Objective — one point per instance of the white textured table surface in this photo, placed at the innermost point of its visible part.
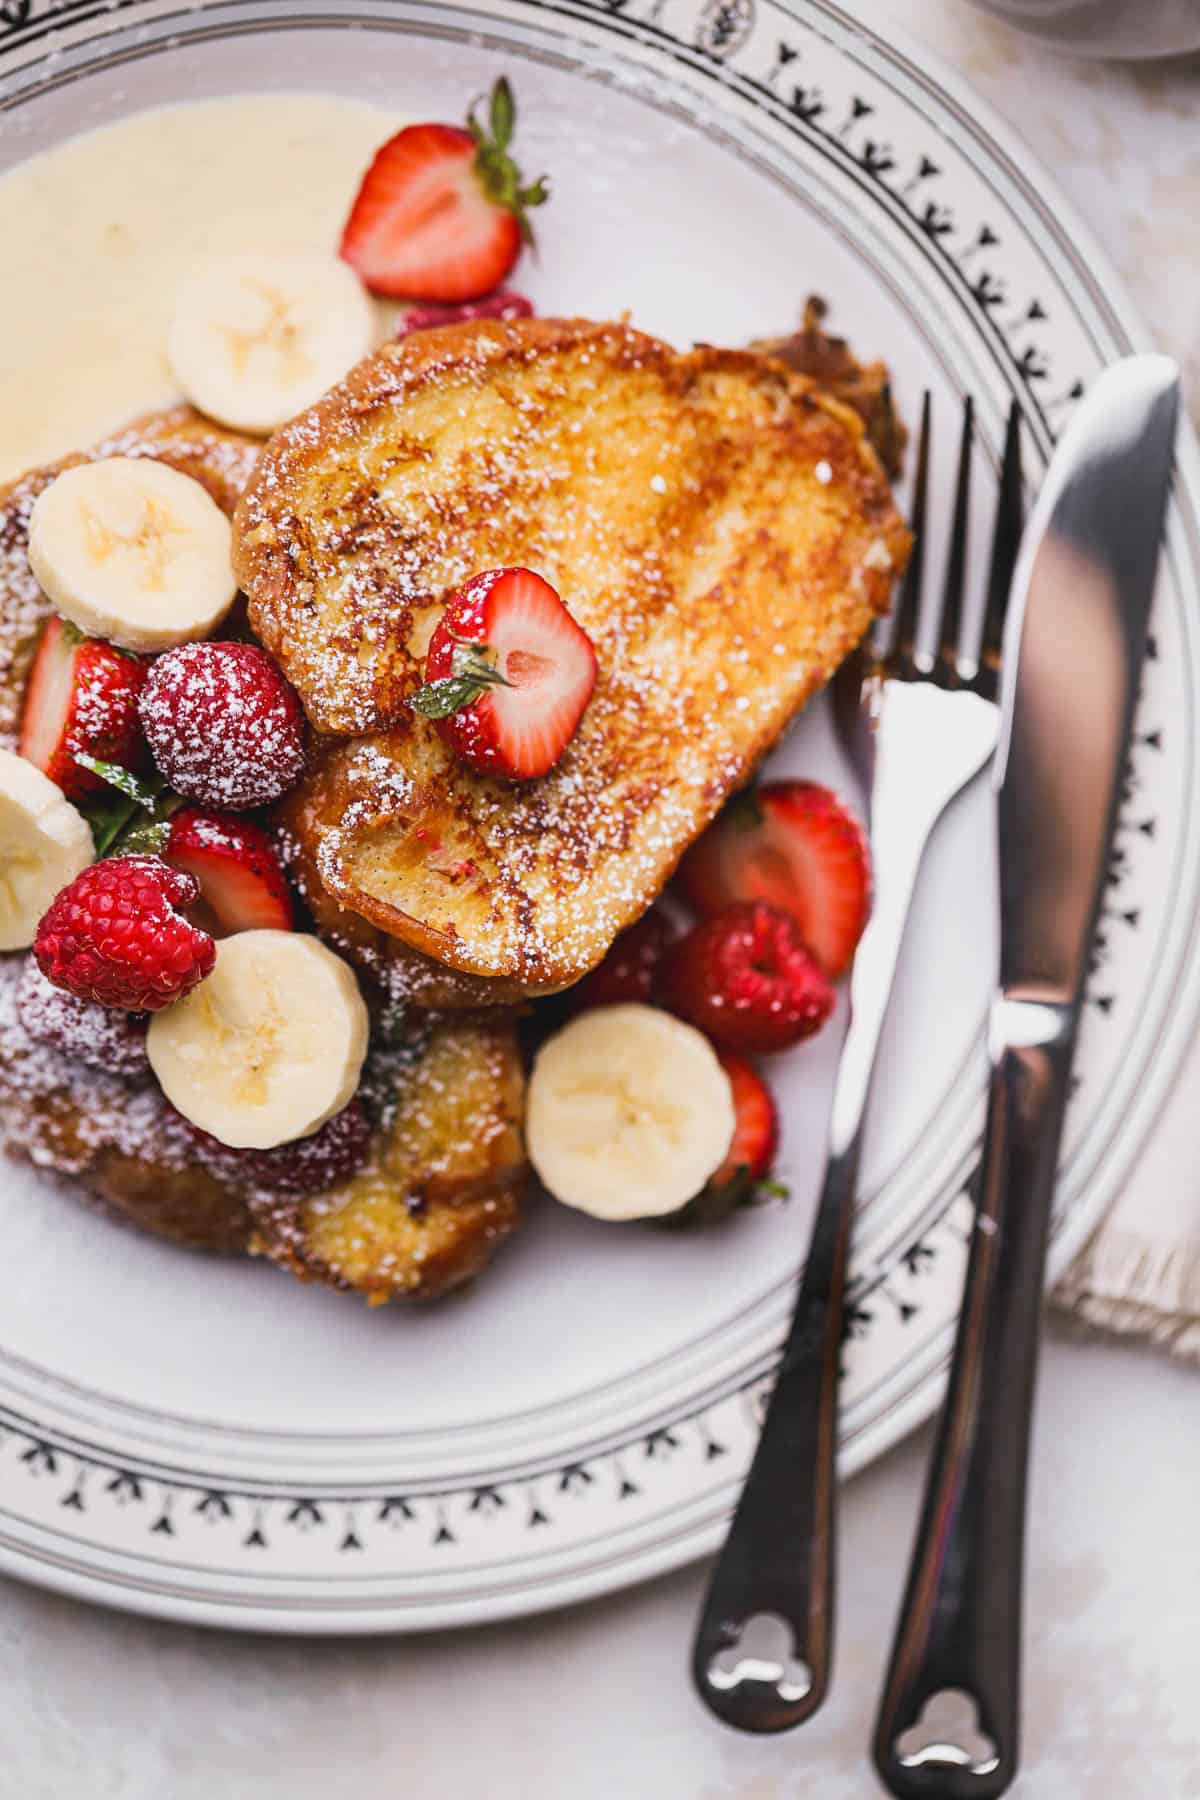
(594, 1704)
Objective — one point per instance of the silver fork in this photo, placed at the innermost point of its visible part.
(934, 724)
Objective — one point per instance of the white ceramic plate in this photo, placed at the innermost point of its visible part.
(214, 1443)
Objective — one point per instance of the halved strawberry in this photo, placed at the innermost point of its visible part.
(508, 674)
(82, 698)
(793, 844)
(755, 1126)
(242, 883)
(743, 1178)
(442, 212)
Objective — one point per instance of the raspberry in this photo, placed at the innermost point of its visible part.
(630, 971)
(503, 304)
(308, 1165)
(91, 1034)
(748, 980)
(224, 725)
(115, 936)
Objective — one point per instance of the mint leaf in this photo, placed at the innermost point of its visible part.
(131, 819)
(149, 839)
(143, 793)
(108, 816)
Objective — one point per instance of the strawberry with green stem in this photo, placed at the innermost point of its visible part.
(443, 210)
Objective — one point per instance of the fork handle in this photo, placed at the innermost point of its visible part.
(960, 1624)
(779, 1555)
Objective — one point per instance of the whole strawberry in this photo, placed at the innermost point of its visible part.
(508, 674)
(117, 935)
(82, 698)
(225, 726)
(442, 211)
(748, 981)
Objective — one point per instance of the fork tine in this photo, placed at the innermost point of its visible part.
(1006, 541)
(908, 606)
(956, 561)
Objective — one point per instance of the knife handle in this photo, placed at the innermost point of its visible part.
(959, 1632)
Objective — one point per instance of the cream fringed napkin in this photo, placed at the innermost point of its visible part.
(1140, 1275)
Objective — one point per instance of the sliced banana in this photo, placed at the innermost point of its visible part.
(133, 551)
(269, 1046)
(256, 338)
(44, 843)
(629, 1113)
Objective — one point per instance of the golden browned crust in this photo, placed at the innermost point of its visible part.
(402, 974)
(721, 529)
(442, 1189)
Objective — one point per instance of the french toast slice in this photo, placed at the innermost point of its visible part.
(719, 526)
(440, 1192)
(442, 1188)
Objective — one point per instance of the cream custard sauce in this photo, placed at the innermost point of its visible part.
(99, 232)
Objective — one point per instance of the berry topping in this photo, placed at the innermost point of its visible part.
(307, 1165)
(747, 979)
(630, 970)
(755, 1130)
(793, 844)
(741, 1180)
(82, 698)
(503, 304)
(242, 883)
(117, 935)
(508, 674)
(442, 211)
(92, 1034)
(225, 727)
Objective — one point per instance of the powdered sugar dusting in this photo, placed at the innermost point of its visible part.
(224, 725)
(60, 1115)
(99, 1036)
(679, 505)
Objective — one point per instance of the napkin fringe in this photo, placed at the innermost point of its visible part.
(1126, 1284)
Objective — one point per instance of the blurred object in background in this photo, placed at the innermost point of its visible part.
(1116, 28)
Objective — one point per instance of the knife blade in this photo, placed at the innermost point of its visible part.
(948, 1723)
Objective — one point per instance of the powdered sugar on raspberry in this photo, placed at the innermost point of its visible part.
(96, 1035)
(59, 1114)
(224, 725)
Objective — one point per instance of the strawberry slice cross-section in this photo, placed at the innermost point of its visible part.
(508, 674)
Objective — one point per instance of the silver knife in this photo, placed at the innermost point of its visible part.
(1073, 656)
